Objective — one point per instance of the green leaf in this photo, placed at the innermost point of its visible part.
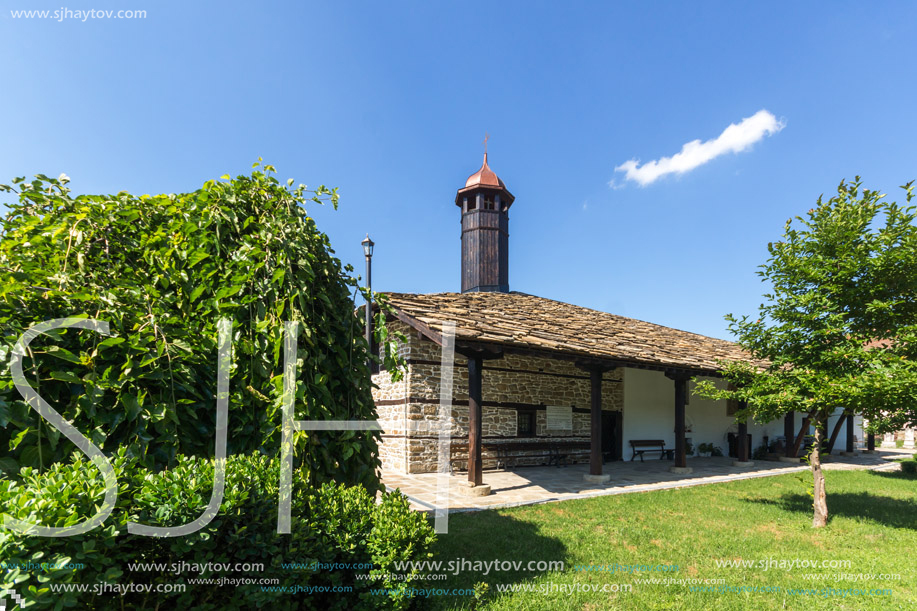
(62, 353)
(131, 404)
(196, 293)
(228, 291)
(66, 376)
(111, 342)
(197, 256)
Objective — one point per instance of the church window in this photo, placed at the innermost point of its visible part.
(525, 423)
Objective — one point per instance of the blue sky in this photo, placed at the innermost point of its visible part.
(390, 102)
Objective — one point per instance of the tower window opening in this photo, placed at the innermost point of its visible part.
(471, 204)
(488, 202)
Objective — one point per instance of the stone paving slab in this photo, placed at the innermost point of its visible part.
(532, 485)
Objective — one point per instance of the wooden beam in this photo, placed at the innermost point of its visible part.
(422, 327)
(592, 365)
(552, 374)
(475, 477)
(595, 449)
(479, 351)
(834, 433)
(803, 429)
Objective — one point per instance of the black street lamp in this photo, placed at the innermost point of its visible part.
(368, 253)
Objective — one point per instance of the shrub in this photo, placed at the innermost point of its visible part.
(709, 449)
(330, 524)
(909, 466)
(161, 271)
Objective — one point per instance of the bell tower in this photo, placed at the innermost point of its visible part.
(484, 202)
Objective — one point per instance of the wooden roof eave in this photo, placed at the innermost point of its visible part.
(419, 326)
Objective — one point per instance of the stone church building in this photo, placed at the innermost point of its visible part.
(537, 381)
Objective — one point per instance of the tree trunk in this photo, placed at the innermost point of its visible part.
(818, 477)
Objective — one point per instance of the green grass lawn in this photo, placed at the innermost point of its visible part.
(873, 525)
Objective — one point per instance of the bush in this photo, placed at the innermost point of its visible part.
(330, 524)
(709, 449)
(162, 271)
(909, 466)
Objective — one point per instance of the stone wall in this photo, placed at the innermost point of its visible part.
(391, 410)
(409, 409)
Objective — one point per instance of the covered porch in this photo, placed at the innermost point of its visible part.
(533, 485)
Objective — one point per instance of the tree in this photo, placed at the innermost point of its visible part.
(839, 325)
(162, 271)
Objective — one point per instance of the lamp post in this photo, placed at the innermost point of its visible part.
(368, 253)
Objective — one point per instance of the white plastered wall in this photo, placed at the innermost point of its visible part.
(649, 413)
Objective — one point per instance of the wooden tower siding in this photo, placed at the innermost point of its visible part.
(485, 202)
(485, 250)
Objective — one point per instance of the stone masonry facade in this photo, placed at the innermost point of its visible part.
(409, 409)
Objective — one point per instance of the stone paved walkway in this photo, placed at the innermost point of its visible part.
(531, 485)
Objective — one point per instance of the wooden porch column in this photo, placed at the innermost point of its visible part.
(789, 434)
(743, 452)
(596, 370)
(681, 460)
(595, 424)
(681, 394)
(476, 356)
(475, 366)
(850, 447)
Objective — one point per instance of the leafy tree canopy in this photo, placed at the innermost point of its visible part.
(837, 328)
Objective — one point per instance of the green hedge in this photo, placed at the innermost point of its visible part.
(909, 466)
(330, 524)
(161, 271)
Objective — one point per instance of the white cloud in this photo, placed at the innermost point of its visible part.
(736, 138)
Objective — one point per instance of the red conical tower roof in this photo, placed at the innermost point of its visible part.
(485, 177)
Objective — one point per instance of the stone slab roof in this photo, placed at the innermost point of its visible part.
(523, 321)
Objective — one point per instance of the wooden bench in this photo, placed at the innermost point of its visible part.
(555, 452)
(642, 446)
